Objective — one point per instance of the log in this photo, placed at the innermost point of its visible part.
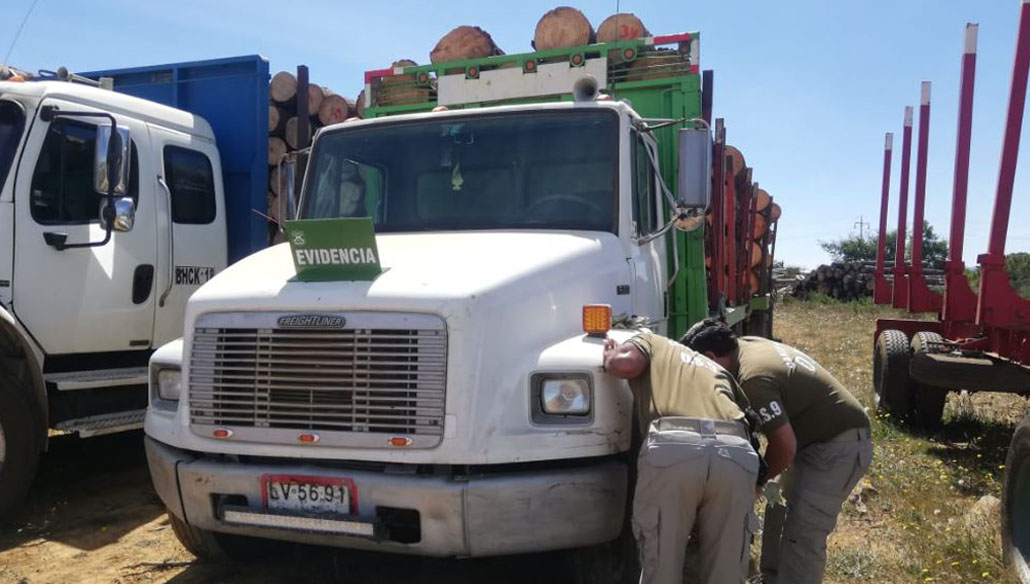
(621, 26)
(273, 180)
(561, 28)
(756, 255)
(759, 226)
(276, 150)
(775, 212)
(276, 120)
(396, 79)
(315, 97)
(283, 87)
(464, 42)
(335, 109)
(290, 134)
(738, 159)
(359, 104)
(762, 199)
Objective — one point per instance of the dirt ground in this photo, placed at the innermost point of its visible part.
(921, 516)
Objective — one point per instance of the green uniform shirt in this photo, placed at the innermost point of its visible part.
(785, 385)
(681, 382)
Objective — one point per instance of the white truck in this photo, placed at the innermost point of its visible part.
(454, 405)
(95, 272)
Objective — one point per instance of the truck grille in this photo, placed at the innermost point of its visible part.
(367, 380)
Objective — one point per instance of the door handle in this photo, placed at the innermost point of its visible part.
(171, 242)
(142, 283)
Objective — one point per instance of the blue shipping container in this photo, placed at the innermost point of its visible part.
(232, 95)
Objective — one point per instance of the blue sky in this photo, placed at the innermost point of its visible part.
(808, 88)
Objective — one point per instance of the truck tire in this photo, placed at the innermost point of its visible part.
(890, 374)
(927, 401)
(19, 444)
(614, 562)
(217, 547)
(1015, 504)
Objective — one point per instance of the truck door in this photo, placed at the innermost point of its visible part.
(647, 260)
(191, 213)
(89, 299)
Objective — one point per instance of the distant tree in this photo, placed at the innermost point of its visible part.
(855, 248)
(1018, 266)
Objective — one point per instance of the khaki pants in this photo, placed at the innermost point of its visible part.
(694, 471)
(816, 486)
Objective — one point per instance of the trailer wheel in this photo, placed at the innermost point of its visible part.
(217, 547)
(19, 444)
(927, 400)
(890, 374)
(1015, 504)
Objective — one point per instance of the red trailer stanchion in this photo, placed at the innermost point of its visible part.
(900, 299)
(959, 308)
(882, 293)
(920, 297)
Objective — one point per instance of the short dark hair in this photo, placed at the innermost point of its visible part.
(711, 336)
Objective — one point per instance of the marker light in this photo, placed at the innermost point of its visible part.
(597, 318)
(222, 433)
(400, 441)
(308, 438)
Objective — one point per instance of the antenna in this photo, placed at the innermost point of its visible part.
(18, 34)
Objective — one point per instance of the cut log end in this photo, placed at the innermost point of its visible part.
(621, 26)
(464, 42)
(335, 109)
(561, 28)
(283, 87)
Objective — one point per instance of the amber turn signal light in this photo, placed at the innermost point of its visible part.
(597, 318)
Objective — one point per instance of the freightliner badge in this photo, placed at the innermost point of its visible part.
(333, 249)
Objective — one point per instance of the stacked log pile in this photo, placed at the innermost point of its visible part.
(847, 281)
(324, 106)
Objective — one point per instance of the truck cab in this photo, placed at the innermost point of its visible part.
(453, 405)
(113, 211)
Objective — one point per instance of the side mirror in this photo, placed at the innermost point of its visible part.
(111, 160)
(124, 216)
(695, 169)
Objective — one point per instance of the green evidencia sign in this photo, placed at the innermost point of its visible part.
(333, 249)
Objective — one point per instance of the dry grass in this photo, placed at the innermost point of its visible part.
(917, 519)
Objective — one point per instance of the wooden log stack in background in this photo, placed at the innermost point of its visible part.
(324, 107)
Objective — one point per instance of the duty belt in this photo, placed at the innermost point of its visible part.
(703, 426)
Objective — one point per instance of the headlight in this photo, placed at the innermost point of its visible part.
(565, 397)
(169, 384)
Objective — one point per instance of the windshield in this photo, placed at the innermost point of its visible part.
(11, 122)
(554, 170)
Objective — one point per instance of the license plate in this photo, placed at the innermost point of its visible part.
(309, 495)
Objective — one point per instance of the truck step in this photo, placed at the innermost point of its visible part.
(104, 423)
(73, 380)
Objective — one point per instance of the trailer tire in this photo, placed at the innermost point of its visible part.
(19, 444)
(614, 562)
(927, 401)
(1015, 504)
(890, 374)
(217, 547)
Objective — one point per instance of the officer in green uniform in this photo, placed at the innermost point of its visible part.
(817, 432)
(696, 466)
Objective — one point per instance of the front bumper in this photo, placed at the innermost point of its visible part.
(517, 511)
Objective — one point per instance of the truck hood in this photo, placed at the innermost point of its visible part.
(424, 272)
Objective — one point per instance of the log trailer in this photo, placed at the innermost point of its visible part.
(454, 405)
(980, 340)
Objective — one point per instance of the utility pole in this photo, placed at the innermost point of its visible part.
(861, 226)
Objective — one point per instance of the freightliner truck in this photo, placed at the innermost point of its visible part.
(95, 273)
(454, 404)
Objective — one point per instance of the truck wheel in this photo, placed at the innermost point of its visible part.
(927, 400)
(19, 444)
(890, 373)
(217, 547)
(1015, 504)
(614, 562)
